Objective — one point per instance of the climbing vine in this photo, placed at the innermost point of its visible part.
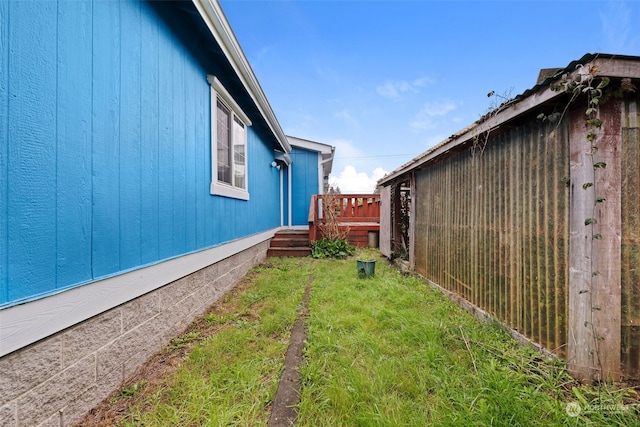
(597, 91)
(480, 139)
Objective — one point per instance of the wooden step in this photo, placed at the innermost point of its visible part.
(279, 242)
(293, 243)
(292, 252)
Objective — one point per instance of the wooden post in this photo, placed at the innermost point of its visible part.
(594, 264)
(412, 220)
(384, 240)
(313, 217)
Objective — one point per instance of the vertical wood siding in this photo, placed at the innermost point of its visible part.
(105, 153)
(630, 349)
(492, 226)
(304, 184)
(4, 151)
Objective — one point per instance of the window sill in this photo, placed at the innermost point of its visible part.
(218, 189)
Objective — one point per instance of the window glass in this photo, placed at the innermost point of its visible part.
(223, 139)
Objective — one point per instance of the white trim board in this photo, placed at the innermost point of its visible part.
(28, 323)
(213, 16)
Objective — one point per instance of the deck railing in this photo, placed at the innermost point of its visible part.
(356, 215)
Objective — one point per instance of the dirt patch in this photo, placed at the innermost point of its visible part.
(283, 412)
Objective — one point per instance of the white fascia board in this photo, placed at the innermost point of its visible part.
(212, 14)
(310, 145)
(24, 324)
(325, 150)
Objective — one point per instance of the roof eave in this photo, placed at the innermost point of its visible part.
(608, 65)
(212, 14)
(326, 151)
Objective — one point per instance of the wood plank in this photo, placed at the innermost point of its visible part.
(106, 139)
(593, 334)
(73, 156)
(608, 292)
(131, 110)
(4, 151)
(149, 154)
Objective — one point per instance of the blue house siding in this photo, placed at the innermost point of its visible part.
(4, 148)
(105, 164)
(105, 176)
(304, 184)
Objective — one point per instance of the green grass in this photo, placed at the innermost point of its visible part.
(230, 378)
(381, 351)
(391, 351)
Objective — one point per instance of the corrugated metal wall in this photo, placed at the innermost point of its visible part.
(492, 226)
(630, 351)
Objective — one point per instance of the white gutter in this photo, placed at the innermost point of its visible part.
(289, 193)
(280, 172)
(212, 14)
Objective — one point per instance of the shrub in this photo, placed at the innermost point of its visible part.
(331, 248)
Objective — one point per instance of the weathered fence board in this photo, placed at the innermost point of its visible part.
(630, 252)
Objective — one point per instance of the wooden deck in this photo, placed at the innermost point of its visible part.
(356, 215)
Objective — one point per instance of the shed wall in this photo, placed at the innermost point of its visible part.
(491, 224)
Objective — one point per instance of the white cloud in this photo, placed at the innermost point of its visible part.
(350, 181)
(424, 118)
(395, 89)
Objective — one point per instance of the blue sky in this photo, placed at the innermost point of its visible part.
(383, 81)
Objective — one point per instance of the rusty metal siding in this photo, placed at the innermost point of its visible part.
(492, 226)
(630, 274)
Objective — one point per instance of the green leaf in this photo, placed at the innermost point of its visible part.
(603, 83)
(579, 396)
(587, 185)
(600, 199)
(597, 236)
(590, 221)
(601, 165)
(596, 123)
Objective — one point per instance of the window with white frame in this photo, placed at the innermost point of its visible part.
(228, 144)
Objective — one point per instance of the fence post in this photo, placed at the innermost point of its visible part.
(594, 311)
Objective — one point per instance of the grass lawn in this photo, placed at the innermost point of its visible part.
(382, 351)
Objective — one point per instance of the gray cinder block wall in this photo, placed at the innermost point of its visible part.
(55, 381)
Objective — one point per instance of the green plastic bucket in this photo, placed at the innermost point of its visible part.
(366, 268)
